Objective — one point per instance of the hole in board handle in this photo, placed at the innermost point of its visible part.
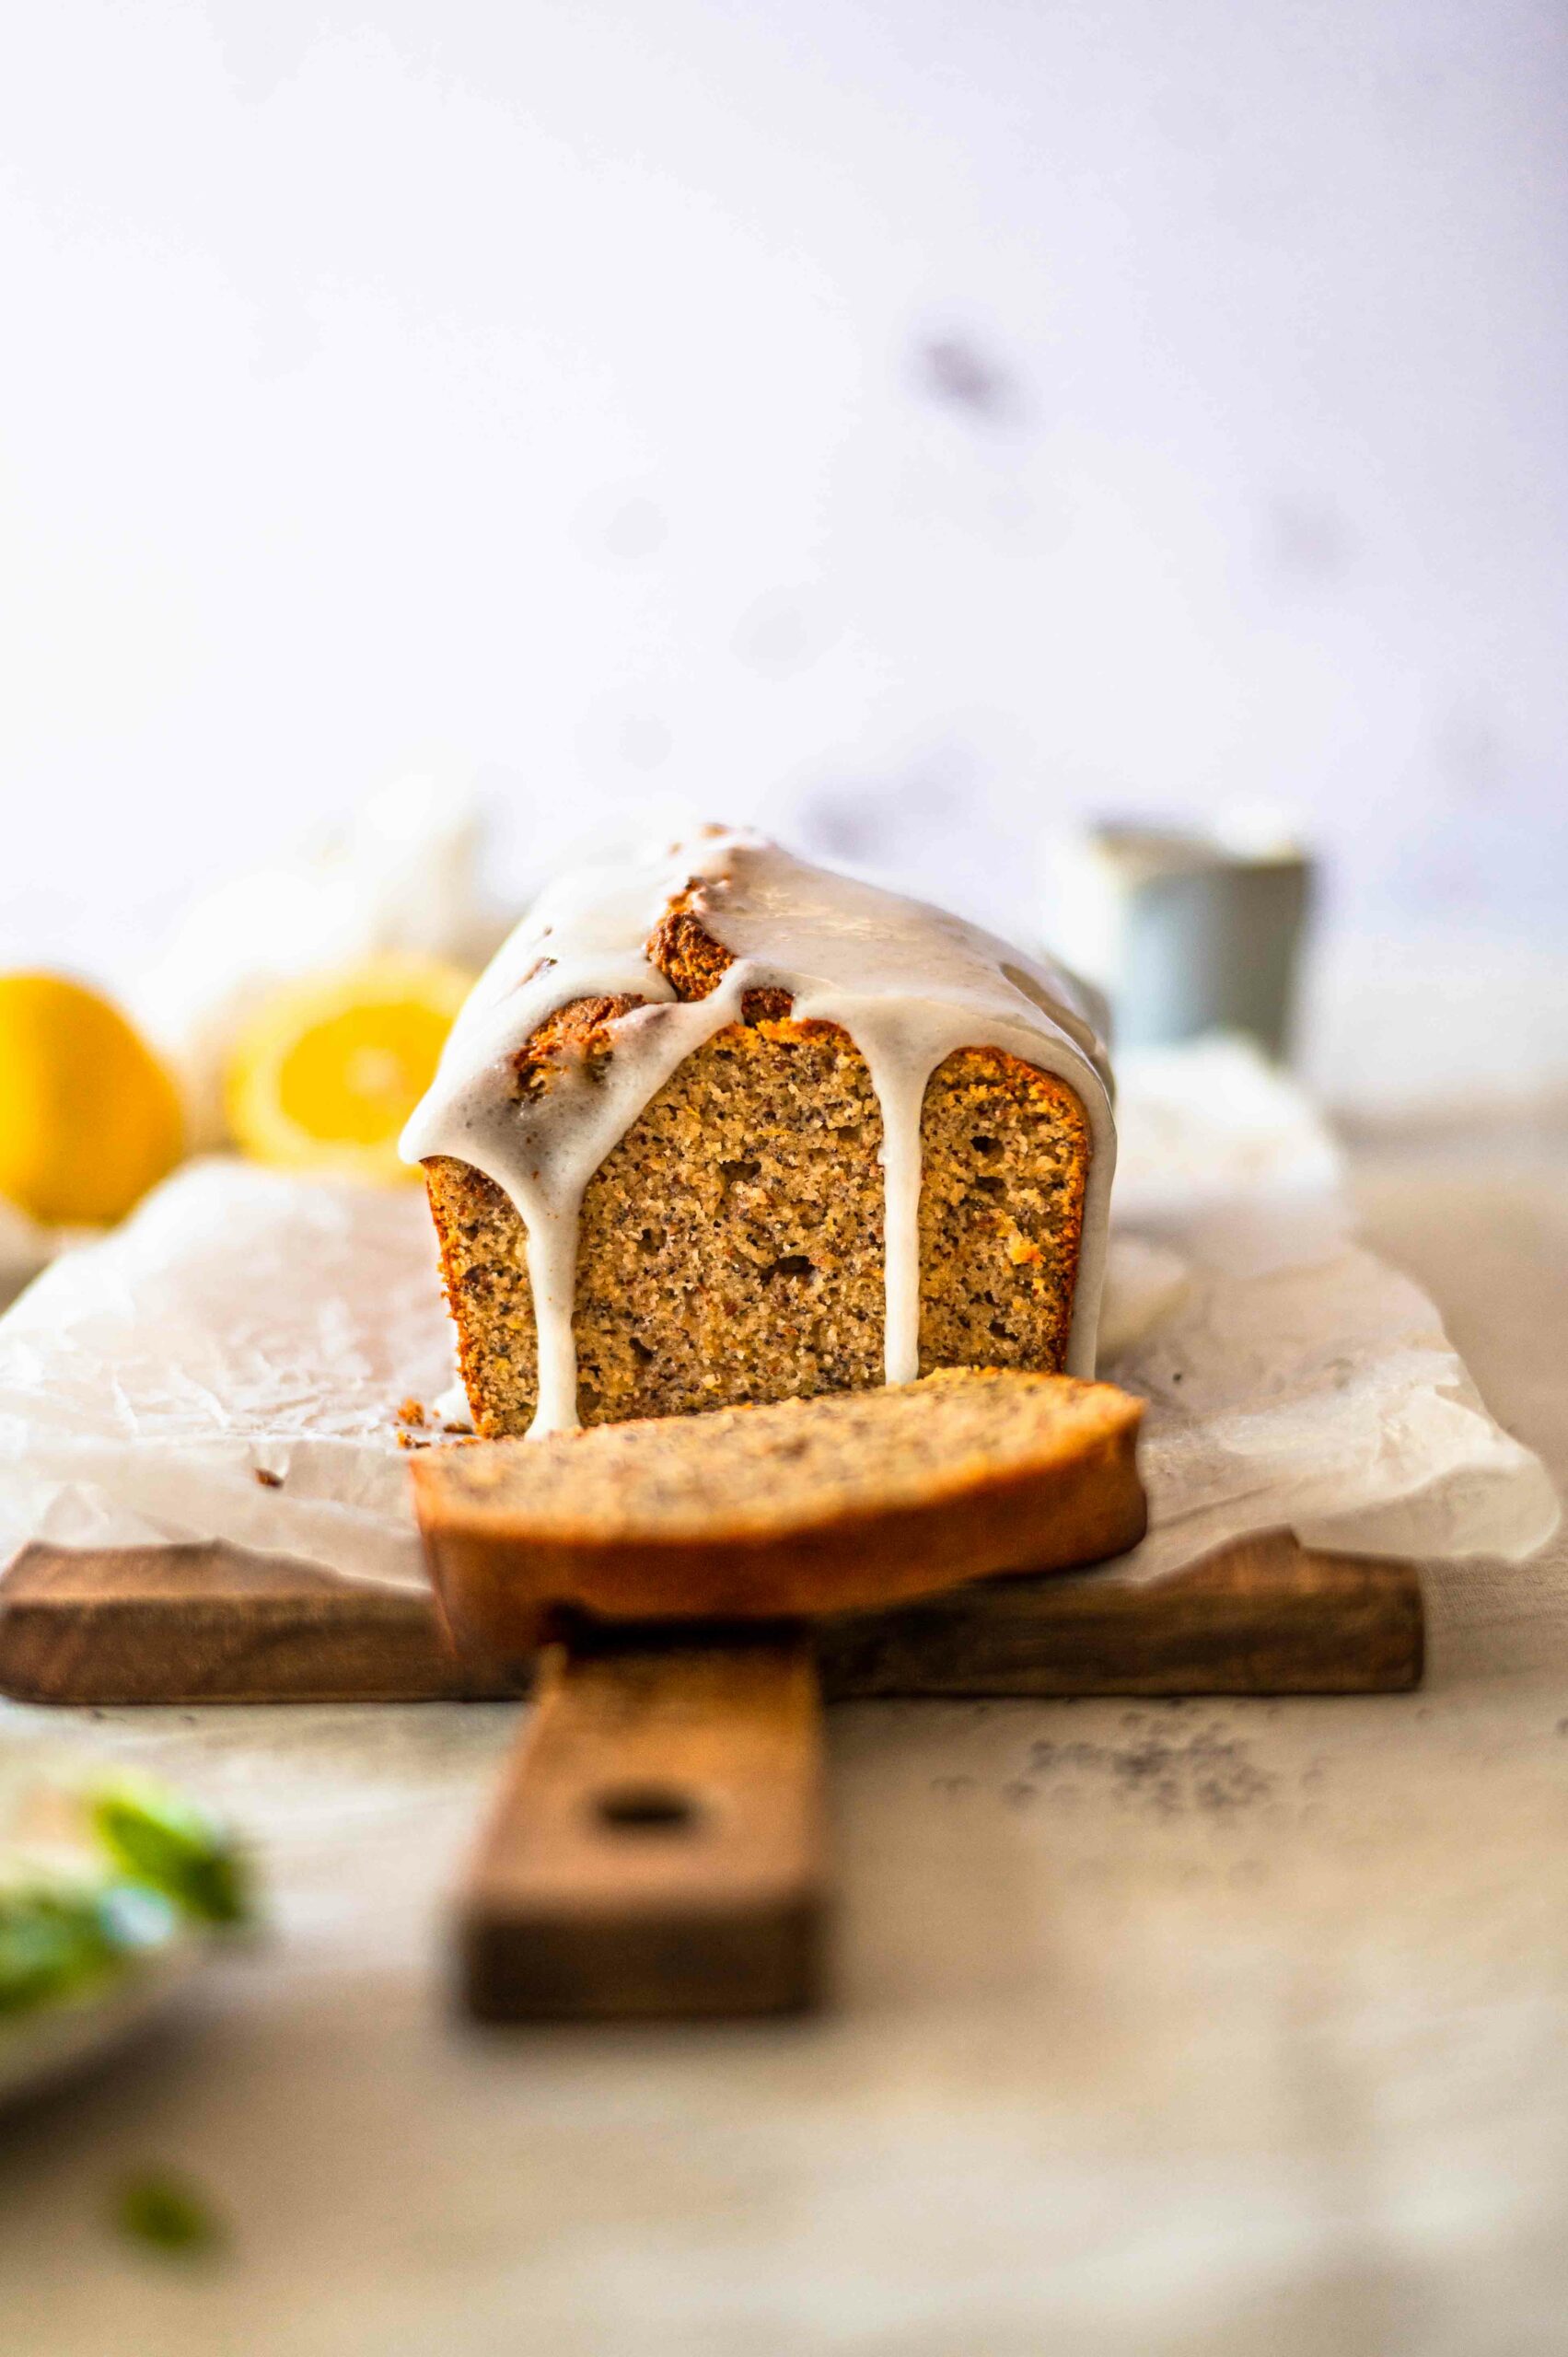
(647, 1808)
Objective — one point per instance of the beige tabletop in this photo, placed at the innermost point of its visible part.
(1201, 2027)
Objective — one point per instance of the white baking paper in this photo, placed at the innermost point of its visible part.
(245, 1323)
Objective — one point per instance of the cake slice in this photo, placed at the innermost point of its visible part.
(721, 1127)
(845, 1503)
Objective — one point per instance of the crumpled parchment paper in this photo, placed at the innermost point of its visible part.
(231, 1365)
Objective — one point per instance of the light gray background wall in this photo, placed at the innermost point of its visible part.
(919, 422)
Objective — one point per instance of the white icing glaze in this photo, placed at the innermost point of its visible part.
(909, 983)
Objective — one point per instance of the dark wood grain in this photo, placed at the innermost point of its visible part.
(1261, 1616)
(210, 1624)
(657, 1845)
(206, 1625)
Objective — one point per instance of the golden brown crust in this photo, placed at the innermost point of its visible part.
(584, 1027)
(731, 1244)
(694, 963)
(738, 1515)
(685, 953)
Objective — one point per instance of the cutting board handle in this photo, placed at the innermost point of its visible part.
(658, 1844)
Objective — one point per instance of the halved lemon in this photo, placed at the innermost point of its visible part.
(89, 1117)
(325, 1073)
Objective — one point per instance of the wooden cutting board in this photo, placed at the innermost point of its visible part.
(657, 1845)
(208, 1624)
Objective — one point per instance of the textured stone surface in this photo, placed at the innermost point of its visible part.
(1191, 2028)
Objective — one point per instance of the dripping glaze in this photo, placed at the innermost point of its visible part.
(909, 983)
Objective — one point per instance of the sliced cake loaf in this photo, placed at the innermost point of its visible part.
(834, 1505)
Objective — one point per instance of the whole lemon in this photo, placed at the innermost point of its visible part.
(90, 1118)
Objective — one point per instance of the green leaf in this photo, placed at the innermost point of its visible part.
(157, 1838)
(168, 2214)
(54, 1943)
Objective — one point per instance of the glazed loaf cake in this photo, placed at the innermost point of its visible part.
(723, 1128)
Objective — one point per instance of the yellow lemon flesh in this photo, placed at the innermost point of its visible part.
(327, 1072)
(90, 1118)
